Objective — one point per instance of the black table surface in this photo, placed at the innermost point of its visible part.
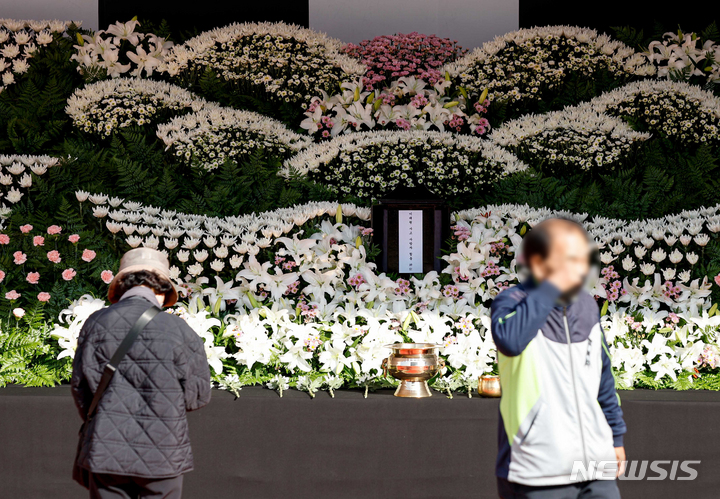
(263, 446)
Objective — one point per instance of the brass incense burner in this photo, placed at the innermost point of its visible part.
(413, 364)
(489, 385)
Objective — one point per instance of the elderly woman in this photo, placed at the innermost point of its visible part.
(134, 442)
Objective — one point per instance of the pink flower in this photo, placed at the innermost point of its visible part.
(38, 241)
(389, 57)
(26, 228)
(88, 255)
(4, 239)
(73, 238)
(106, 276)
(19, 257)
(2, 276)
(18, 312)
(717, 279)
(33, 277)
(54, 229)
(12, 295)
(54, 256)
(44, 296)
(68, 274)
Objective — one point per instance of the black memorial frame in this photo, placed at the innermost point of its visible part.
(436, 229)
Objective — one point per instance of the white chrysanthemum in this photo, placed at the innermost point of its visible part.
(367, 164)
(211, 136)
(109, 105)
(577, 136)
(678, 110)
(518, 65)
(288, 62)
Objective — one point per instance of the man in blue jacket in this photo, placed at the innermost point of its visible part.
(560, 420)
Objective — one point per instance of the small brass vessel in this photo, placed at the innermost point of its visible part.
(489, 385)
(413, 364)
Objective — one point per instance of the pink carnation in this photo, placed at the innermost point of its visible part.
(19, 257)
(717, 279)
(394, 56)
(54, 229)
(12, 295)
(54, 256)
(4, 239)
(43, 296)
(18, 312)
(68, 274)
(38, 241)
(26, 228)
(106, 276)
(88, 255)
(73, 238)
(33, 277)
(2, 276)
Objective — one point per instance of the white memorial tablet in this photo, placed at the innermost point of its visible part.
(410, 228)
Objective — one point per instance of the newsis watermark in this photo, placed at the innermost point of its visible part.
(635, 470)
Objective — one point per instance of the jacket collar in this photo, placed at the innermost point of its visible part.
(142, 292)
(530, 283)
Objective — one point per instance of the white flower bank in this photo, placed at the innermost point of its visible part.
(576, 136)
(209, 137)
(109, 105)
(519, 65)
(288, 62)
(678, 110)
(203, 135)
(301, 305)
(595, 134)
(369, 164)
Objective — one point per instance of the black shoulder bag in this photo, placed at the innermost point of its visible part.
(81, 475)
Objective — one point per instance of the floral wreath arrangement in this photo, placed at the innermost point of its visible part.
(291, 297)
(391, 57)
(284, 62)
(371, 164)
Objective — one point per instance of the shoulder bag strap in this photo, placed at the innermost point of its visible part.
(111, 366)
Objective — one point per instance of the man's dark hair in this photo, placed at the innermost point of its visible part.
(539, 240)
(160, 285)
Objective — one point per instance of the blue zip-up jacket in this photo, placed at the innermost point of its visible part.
(559, 403)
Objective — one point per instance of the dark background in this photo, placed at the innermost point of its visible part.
(648, 15)
(191, 15)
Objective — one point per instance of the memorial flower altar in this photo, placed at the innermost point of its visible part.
(252, 154)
